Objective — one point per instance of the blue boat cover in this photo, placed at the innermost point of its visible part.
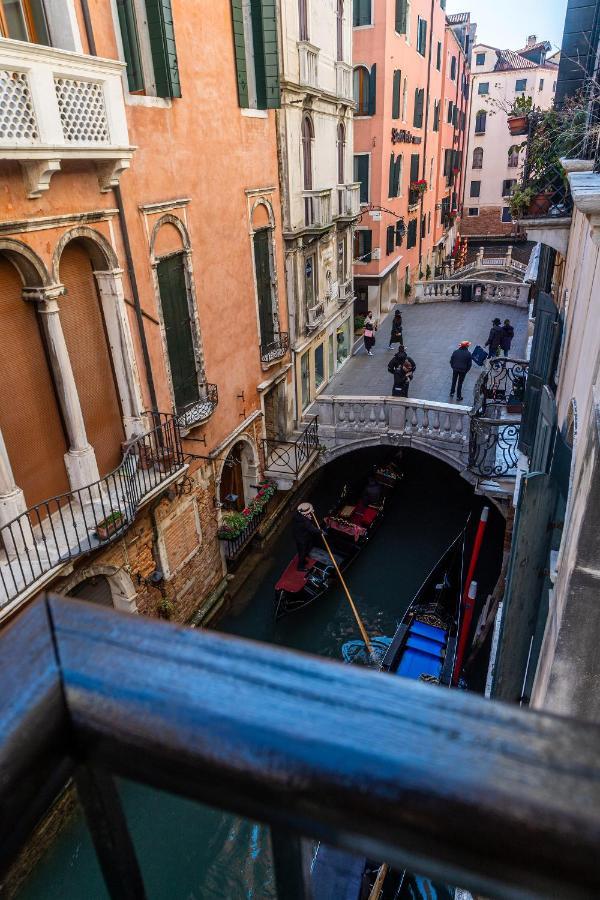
(424, 652)
(337, 875)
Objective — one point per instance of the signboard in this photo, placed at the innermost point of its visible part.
(402, 136)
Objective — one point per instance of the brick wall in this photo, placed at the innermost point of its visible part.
(487, 223)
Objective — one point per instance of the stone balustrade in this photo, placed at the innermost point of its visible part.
(344, 81)
(309, 64)
(506, 292)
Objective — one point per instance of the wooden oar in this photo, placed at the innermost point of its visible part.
(359, 621)
(378, 886)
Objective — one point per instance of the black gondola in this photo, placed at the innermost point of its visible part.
(350, 526)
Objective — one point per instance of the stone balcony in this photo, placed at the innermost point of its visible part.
(56, 105)
(309, 64)
(348, 200)
(317, 209)
(344, 86)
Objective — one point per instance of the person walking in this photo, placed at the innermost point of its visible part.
(495, 338)
(305, 533)
(369, 335)
(508, 333)
(403, 368)
(461, 362)
(396, 335)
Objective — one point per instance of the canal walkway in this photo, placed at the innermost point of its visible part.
(432, 332)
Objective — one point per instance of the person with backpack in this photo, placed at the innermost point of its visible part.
(369, 334)
(396, 335)
(508, 333)
(403, 368)
(495, 337)
(461, 363)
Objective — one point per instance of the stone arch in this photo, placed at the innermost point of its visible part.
(262, 204)
(396, 440)
(250, 465)
(122, 589)
(176, 222)
(100, 251)
(31, 269)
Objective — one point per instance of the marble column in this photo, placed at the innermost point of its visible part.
(12, 504)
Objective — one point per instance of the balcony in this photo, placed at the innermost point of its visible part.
(317, 209)
(275, 349)
(348, 201)
(235, 545)
(344, 81)
(44, 538)
(200, 410)
(286, 462)
(315, 315)
(309, 64)
(346, 292)
(56, 106)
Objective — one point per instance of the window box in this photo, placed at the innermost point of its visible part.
(518, 125)
(110, 525)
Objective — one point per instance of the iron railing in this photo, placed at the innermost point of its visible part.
(290, 457)
(201, 409)
(496, 419)
(501, 800)
(234, 547)
(503, 384)
(276, 348)
(493, 447)
(65, 527)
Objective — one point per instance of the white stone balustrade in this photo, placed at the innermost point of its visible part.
(343, 73)
(309, 64)
(317, 208)
(507, 292)
(57, 105)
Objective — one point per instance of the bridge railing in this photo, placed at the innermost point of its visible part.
(506, 292)
(496, 799)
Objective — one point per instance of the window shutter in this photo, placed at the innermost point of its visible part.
(240, 52)
(270, 58)
(397, 171)
(399, 232)
(373, 90)
(362, 175)
(178, 330)
(438, 62)
(401, 16)
(131, 47)
(396, 94)
(264, 285)
(544, 350)
(368, 245)
(419, 103)
(545, 433)
(164, 51)
(414, 167)
(391, 177)
(390, 239)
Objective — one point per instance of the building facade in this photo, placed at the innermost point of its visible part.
(141, 252)
(319, 199)
(410, 90)
(495, 158)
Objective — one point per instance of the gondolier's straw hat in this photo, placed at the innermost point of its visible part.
(306, 509)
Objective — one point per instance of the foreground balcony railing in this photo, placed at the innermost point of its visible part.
(66, 527)
(289, 457)
(496, 423)
(275, 349)
(503, 801)
(201, 409)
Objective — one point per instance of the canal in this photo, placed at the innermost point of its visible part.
(190, 852)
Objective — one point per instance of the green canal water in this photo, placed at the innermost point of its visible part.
(192, 852)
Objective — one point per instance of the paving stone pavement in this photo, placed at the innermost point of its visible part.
(432, 332)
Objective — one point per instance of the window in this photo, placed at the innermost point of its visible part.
(421, 36)
(404, 99)
(429, 222)
(256, 58)
(177, 318)
(342, 336)
(340, 30)
(401, 16)
(448, 161)
(24, 20)
(520, 85)
(411, 236)
(419, 106)
(396, 94)
(263, 256)
(480, 59)
(453, 68)
(475, 190)
(131, 46)
(363, 243)
(506, 216)
(341, 153)
(390, 236)
(365, 87)
(450, 112)
(478, 158)
(361, 174)
(473, 211)
(155, 32)
(554, 87)
(341, 262)
(310, 286)
(395, 176)
(400, 232)
(541, 84)
(480, 122)
(303, 19)
(507, 186)
(436, 115)
(438, 58)
(483, 88)
(513, 157)
(319, 365)
(305, 378)
(307, 139)
(361, 13)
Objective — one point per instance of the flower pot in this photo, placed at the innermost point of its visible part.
(514, 406)
(540, 204)
(109, 526)
(146, 456)
(518, 125)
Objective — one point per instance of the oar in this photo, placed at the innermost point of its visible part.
(359, 621)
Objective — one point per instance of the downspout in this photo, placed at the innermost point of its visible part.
(426, 132)
(89, 31)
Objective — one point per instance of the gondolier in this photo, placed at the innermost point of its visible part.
(305, 533)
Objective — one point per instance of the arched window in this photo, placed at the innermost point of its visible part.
(341, 150)
(303, 19)
(340, 30)
(361, 90)
(480, 122)
(307, 139)
(478, 158)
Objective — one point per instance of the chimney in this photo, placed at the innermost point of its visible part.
(532, 40)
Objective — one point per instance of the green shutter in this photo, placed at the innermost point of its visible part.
(178, 330)
(240, 52)
(390, 239)
(391, 178)
(414, 167)
(131, 46)
(401, 16)
(264, 285)
(266, 61)
(361, 13)
(397, 175)
(361, 173)
(396, 94)
(544, 352)
(419, 103)
(368, 244)
(162, 45)
(373, 90)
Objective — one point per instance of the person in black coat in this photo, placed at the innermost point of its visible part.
(495, 338)
(403, 368)
(508, 333)
(305, 533)
(396, 335)
(461, 362)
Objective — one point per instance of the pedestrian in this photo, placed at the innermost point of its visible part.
(508, 333)
(461, 362)
(495, 338)
(305, 533)
(369, 335)
(403, 368)
(396, 335)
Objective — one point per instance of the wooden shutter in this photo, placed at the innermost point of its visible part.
(263, 285)
(401, 16)
(396, 94)
(412, 234)
(367, 244)
(419, 104)
(390, 239)
(391, 177)
(414, 167)
(164, 51)
(422, 37)
(131, 46)
(240, 52)
(178, 330)
(362, 175)
(399, 233)
(373, 90)
(397, 171)
(266, 60)
(423, 226)
(544, 349)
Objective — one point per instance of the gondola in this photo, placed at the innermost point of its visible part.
(349, 526)
(423, 649)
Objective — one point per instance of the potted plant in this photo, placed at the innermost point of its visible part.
(419, 187)
(520, 200)
(165, 608)
(113, 522)
(407, 290)
(428, 272)
(518, 115)
(359, 325)
(163, 458)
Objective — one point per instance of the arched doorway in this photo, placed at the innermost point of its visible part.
(95, 589)
(238, 477)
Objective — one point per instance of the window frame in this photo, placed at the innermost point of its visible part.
(341, 153)
(364, 90)
(520, 90)
(358, 250)
(477, 58)
(508, 220)
(477, 195)
(472, 212)
(357, 4)
(307, 136)
(481, 115)
(478, 153)
(355, 174)
(303, 20)
(483, 84)
(29, 24)
(421, 43)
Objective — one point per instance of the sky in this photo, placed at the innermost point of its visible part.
(506, 23)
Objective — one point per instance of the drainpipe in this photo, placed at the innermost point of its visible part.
(89, 31)
(426, 130)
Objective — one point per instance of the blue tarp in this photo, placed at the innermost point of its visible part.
(424, 652)
(337, 875)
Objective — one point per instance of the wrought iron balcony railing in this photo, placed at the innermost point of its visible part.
(501, 800)
(290, 457)
(496, 422)
(66, 527)
(275, 349)
(201, 409)
(493, 449)
(234, 547)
